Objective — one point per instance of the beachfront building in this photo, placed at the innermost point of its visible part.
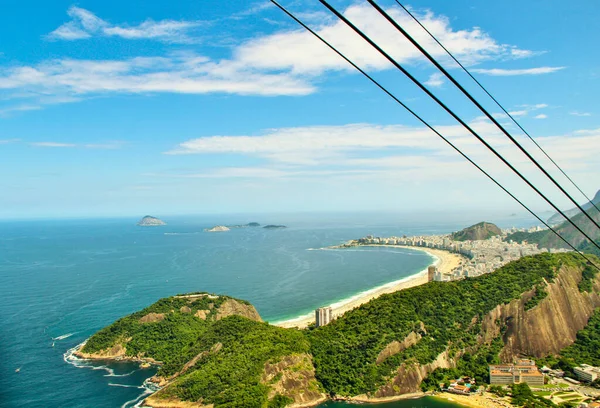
(323, 316)
(522, 371)
(587, 373)
(431, 273)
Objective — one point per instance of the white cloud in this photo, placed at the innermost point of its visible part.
(9, 141)
(541, 116)
(582, 114)
(300, 52)
(186, 73)
(513, 72)
(376, 152)
(287, 62)
(84, 24)
(435, 80)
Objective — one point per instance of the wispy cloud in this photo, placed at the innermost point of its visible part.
(435, 80)
(84, 24)
(9, 141)
(375, 151)
(101, 146)
(514, 72)
(541, 116)
(180, 73)
(582, 114)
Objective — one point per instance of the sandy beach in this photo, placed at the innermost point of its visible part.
(486, 400)
(445, 262)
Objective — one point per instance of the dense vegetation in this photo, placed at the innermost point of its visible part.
(171, 341)
(587, 278)
(345, 351)
(481, 231)
(231, 353)
(231, 377)
(539, 295)
(522, 396)
(472, 363)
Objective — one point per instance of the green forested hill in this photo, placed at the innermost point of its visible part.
(477, 232)
(345, 351)
(232, 361)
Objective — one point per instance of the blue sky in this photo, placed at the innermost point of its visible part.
(127, 108)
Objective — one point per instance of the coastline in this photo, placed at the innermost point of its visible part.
(486, 400)
(445, 262)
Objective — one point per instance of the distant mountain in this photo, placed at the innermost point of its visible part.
(477, 232)
(149, 221)
(557, 218)
(547, 239)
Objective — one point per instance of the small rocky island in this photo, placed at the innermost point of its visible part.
(217, 228)
(274, 226)
(149, 221)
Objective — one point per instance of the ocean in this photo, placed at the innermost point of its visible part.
(62, 280)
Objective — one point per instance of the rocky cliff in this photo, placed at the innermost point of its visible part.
(545, 329)
(549, 326)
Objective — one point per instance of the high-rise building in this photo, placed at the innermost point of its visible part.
(431, 273)
(323, 315)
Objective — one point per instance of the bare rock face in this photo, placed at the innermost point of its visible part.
(152, 318)
(202, 314)
(185, 309)
(156, 402)
(294, 377)
(548, 327)
(396, 347)
(410, 375)
(115, 352)
(233, 307)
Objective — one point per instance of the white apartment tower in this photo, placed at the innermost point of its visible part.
(323, 315)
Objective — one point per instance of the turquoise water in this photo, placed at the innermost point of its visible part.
(60, 281)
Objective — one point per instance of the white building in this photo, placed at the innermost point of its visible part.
(587, 373)
(323, 316)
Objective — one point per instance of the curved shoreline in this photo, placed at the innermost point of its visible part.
(445, 262)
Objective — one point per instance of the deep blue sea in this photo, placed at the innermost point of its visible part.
(62, 280)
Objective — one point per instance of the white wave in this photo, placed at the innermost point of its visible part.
(64, 336)
(120, 375)
(140, 387)
(149, 389)
(70, 358)
(148, 386)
